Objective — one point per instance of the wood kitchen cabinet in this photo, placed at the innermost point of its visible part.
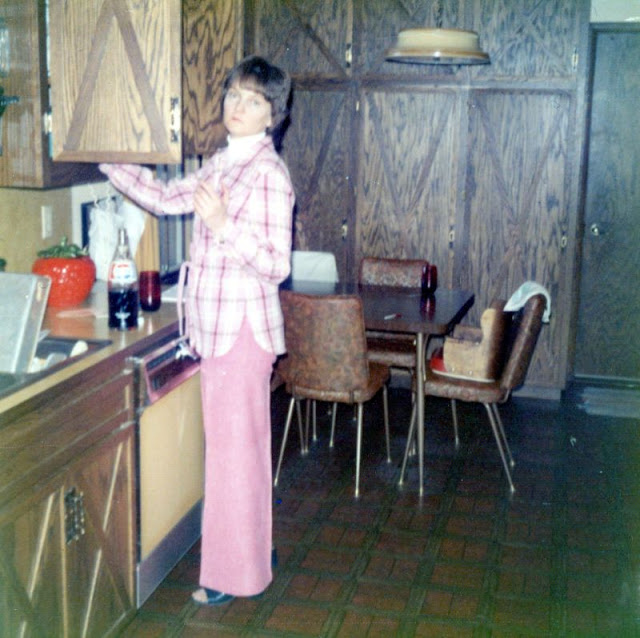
(67, 508)
(116, 80)
(126, 87)
(25, 160)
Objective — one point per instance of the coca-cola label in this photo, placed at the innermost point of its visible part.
(122, 273)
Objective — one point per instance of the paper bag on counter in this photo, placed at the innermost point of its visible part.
(106, 217)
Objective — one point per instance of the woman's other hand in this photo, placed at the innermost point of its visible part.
(211, 206)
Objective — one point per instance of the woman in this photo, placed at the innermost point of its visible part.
(240, 252)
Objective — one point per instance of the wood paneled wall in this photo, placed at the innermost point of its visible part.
(476, 168)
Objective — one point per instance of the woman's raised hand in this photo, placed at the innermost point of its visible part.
(211, 206)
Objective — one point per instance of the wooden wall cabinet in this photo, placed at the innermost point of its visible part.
(67, 508)
(141, 82)
(116, 81)
(476, 168)
(25, 159)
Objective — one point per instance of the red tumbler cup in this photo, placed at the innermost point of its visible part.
(149, 288)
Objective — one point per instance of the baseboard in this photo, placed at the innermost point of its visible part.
(538, 392)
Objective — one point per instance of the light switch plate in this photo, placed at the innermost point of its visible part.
(46, 218)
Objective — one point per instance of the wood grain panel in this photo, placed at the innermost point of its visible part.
(316, 150)
(24, 158)
(211, 47)
(31, 535)
(312, 37)
(407, 176)
(113, 88)
(516, 203)
(530, 39)
(21, 160)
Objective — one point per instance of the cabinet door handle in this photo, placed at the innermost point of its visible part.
(176, 119)
(74, 517)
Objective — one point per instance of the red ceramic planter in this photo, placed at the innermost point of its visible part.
(71, 279)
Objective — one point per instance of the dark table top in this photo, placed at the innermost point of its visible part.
(398, 309)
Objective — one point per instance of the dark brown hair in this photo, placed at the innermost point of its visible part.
(270, 81)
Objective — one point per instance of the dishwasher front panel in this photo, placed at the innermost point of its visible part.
(171, 448)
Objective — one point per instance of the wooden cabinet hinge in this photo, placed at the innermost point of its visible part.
(47, 123)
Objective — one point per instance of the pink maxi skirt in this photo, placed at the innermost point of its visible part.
(237, 517)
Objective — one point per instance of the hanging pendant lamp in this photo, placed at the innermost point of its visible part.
(437, 46)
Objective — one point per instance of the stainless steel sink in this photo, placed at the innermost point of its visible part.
(57, 350)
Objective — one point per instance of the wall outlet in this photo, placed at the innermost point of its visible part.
(46, 219)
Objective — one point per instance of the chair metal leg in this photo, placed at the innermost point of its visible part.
(304, 434)
(385, 404)
(454, 413)
(307, 417)
(497, 435)
(505, 443)
(407, 450)
(333, 423)
(284, 438)
(358, 448)
(315, 431)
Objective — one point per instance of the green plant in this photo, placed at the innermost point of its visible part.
(64, 249)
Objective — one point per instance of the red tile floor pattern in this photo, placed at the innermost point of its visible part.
(558, 558)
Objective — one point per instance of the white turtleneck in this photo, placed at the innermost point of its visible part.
(241, 147)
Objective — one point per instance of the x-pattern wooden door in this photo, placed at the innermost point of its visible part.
(31, 565)
(407, 176)
(314, 44)
(67, 552)
(515, 207)
(100, 587)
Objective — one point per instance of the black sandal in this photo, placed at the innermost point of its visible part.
(215, 598)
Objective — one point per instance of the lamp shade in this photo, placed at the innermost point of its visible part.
(437, 46)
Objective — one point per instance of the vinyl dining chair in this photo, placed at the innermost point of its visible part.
(519, 335)
(327, 361)
(393, 349)
(316, 266)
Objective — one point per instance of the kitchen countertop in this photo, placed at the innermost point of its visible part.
(89, 322)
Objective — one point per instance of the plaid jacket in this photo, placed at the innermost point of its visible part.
(237, 273)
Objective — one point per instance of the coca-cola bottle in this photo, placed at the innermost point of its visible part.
(122, 284)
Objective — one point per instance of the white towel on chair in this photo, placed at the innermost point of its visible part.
(527, 290)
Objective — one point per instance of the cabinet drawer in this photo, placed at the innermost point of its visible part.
(52, 428)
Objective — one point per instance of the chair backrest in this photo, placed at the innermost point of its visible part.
(325, 339)
(380, 271)
(526, 328)
(308, 265)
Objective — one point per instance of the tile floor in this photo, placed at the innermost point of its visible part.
(558, 558)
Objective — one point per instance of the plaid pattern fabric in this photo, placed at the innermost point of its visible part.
(235, 273)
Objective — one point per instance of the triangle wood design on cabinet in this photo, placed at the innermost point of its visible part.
(116, 81)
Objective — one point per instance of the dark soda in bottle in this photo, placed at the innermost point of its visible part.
(123, 286)
(123, 309)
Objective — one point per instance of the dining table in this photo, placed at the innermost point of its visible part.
(402, 310)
